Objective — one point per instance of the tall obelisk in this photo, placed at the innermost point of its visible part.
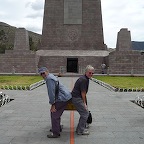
(72, 25)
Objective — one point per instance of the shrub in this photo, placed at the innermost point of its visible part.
(15, 87)
(2, 87)
(27, 87)
(10, 87)
(6, 87)
(129, 90)
(19, 87)
(23, 87)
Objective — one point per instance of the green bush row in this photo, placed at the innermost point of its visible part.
(129, 89)
(15, 87)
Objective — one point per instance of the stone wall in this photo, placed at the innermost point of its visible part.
(55, 63)
(126, 62)
(18, 62)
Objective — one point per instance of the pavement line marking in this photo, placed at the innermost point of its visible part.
(72, 127)
(72, 122)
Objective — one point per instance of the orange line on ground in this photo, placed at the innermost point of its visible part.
(72, 122)
(72, 127)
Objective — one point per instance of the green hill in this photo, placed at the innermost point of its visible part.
(7, 35)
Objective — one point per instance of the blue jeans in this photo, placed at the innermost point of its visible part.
(79, 104)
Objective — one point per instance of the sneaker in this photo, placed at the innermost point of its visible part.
(85, 132)
(53, 136)
(87, 126)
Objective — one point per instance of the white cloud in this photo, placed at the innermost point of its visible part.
(23, 13)
(122, 14)
(35, 15)
(116, 14)
(35, 4)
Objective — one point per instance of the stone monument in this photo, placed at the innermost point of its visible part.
(125, 60)
(124, 40)
(21, 39)
(21, 59)
(72, 35)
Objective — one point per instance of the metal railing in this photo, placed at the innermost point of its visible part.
(4, 99)
(139, 100)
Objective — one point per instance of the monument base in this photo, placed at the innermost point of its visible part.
(73, 61)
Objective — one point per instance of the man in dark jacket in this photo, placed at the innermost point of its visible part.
(79, 99)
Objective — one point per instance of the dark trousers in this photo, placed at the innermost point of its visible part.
(56, 117)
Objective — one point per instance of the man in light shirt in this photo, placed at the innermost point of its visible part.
(58, 99)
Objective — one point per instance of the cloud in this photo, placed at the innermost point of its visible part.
(25, 13)
(36, 5)
(35, 15)
(116, 15)
(122, 14)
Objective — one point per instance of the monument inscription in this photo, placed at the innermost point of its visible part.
(72, 11)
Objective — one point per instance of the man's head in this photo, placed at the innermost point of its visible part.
(89, 71)
(43, 71)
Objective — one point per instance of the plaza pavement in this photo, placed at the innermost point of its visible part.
(116, 120)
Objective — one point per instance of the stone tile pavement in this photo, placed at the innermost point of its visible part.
(116, 120)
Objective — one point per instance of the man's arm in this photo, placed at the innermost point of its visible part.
(83, 93)
(51, 91)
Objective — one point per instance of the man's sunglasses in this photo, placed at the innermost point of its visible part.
(91, 73)
(42, 73)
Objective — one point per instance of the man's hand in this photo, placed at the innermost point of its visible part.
(53, 109)
(83, 93)
(86, 107)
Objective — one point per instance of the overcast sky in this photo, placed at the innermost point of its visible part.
(116, 14)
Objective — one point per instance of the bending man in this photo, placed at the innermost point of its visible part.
(58, 98)
(79, 99)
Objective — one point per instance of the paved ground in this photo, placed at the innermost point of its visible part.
(116, 120)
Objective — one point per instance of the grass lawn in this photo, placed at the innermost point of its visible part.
(115, 81)
(19, 80)
(122, 81)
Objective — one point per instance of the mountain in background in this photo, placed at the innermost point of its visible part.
(138, 45)
(7, 35)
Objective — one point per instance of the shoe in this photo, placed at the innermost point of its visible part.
(53, 136)
(87, 126)
(85, 132)
(51, 130)
(61, 127)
